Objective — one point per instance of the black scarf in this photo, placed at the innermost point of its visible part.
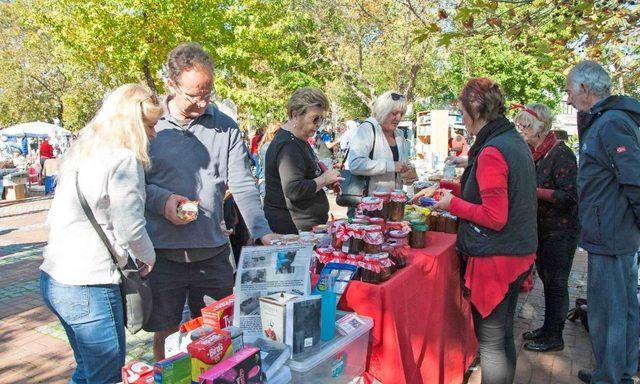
(491, 130)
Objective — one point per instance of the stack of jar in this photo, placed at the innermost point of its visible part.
(443, 222)
(373, 240)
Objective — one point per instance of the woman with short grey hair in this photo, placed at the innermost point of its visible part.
(378, 150)
(558, 230)
(295, 200)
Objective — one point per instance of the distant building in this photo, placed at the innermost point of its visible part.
(566, 120)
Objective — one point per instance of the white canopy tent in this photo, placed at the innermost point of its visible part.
(35, 129)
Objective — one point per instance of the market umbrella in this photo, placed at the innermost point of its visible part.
(34, 129)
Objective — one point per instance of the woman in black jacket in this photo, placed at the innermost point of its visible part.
(294, 197)
(558, 228)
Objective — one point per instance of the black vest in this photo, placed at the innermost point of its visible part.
(520, 234)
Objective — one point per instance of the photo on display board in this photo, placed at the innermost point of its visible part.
(250, 305)
(254, 276)
(284, 262)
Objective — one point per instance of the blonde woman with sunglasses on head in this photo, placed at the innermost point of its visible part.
(378, 148)
(79, 280)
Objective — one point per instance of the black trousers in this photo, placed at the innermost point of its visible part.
(495, 336)
(554, 260)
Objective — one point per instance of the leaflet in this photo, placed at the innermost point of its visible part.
(265, 270)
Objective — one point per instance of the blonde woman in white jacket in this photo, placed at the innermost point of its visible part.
(79, 280)
(389, 165)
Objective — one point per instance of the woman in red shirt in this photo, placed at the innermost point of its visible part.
(497, 237)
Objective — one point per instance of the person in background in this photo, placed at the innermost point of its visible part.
(558, 228)
(459, 144)
(268, 136)
(376, 149)
(497, 237)
(198, 153)
(45, 150)
(79, 281)
(19, 161)
(253, 150)
(295, 200)
(609, 195)
(255, 140)
(323, 147)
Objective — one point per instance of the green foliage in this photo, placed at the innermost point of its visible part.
(60, 57)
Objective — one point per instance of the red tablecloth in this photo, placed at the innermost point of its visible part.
(423, 331)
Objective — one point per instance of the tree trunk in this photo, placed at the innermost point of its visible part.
(60, 111)
(147, 76)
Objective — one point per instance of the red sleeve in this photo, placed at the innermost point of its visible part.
(492, 175)
(454, 186)
(545, 194)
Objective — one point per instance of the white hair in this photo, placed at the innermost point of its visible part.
(385, 104)
(592, 75)
(540, 125)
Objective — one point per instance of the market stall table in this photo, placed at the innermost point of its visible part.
(423, 330)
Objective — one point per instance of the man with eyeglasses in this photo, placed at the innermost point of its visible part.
(198, 152)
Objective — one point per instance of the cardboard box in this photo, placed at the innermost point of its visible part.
(219, 315)
(15, 192)
(198, 368)
(137, 372)
(212, 348)
(243, 367)
(174, 370)
(273, 309)
(179, 341)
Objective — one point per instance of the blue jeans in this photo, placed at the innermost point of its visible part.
(93, 318)
(613, 316)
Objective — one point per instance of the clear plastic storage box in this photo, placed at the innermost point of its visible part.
(338, 361)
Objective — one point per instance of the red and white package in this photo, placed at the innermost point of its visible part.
(213, 348)
(137, 372)
(219, 315)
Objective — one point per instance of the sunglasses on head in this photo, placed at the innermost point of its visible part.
(396, 96)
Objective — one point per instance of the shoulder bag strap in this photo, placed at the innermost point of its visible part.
(94, 223)
(346, 155)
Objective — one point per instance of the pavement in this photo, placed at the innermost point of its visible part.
(35, 348)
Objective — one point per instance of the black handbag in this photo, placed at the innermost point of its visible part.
(354, 187)
(135, 289)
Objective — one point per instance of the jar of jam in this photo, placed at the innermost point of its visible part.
(418, 234)
(337, 230)
(323, 256)
(373, 239)
(371, 206)
(451, 224)
(386, 266)
(441, 224)
(385, 197)
(354, 260)
(398, 258)
(355, 244)
(378, 221)
(371, 270)
(396, 205)
(363, 218)
(432, 219)
(398, 238)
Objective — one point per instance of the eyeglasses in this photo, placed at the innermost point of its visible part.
(522, 127)
(193, 99)
(396, 96)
